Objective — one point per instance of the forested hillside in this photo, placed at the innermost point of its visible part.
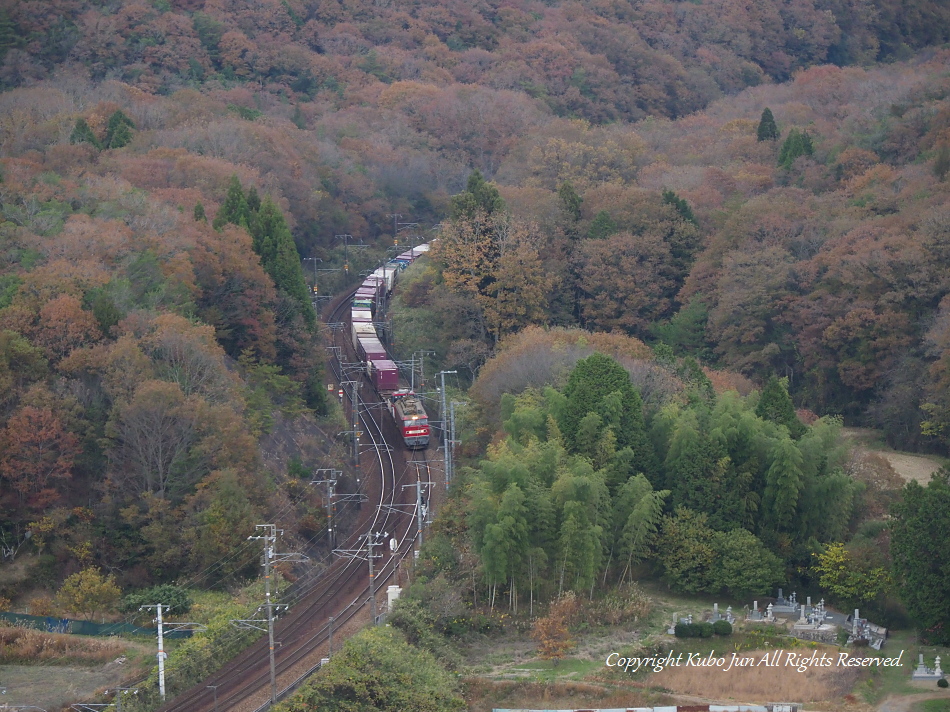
(161, 161)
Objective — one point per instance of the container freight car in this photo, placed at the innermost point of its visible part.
(362, 330)
(404, 406)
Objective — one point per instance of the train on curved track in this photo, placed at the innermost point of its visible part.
(404, 406)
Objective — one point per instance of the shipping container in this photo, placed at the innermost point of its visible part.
(384, 376)
(362, 330)
(371, 349)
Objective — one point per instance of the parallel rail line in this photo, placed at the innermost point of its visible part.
(341, 591)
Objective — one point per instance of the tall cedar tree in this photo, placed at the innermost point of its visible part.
(776, 405)
(569, 201)
(920, 540)
(591, 383)
(942, 162)
(279, 256)
(681, 206)
(82, 133)
(767, 130)
(272, 241)
(797, 143)
(478, 196)
(234, 210)
(118, 130)
(602, 226)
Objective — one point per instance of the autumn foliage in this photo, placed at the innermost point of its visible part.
(622, 198)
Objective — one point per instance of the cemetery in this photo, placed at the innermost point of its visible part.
(815, 622)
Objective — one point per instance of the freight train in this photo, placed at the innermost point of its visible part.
(404, 406)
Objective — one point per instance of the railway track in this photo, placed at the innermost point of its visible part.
(343, 588)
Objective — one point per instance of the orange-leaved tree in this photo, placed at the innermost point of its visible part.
(551, 631)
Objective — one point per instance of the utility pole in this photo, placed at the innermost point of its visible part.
(215, 689)
(354, 417)
(118, 696)
(422, 366)
(269, 537)
(371, 542)
(331, 477)
(330, 481)
(330, 643)
(314, 260)
(373, 539)
(395, 217)
(447, 455)
(161, 650)
(420, 512)
(162, 655)
(452, 441)
(346, 243)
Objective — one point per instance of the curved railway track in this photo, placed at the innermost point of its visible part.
(342, 590)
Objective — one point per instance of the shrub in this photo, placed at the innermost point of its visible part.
(722, 627)
(89, 593)
(704, 630)
(684, 630)
(942, 682)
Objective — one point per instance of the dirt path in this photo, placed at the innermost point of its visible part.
(904, 703)
(909, 467)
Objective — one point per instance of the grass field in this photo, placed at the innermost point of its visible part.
(932, 706)
(884, 682)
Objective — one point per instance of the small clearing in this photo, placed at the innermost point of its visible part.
(50, 687)
(909, 466)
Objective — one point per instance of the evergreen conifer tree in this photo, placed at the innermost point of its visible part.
(234, 210)
(199, 213)
(920, 535)
(767, 130)
(298, 118)
(570, 201)
(797, 143)
(275, 245)
(119, 130)
(9, 37)
(776, 405)
(602, 226)
(82, 133)
(479, 195)
(682, 207)
(122, 136)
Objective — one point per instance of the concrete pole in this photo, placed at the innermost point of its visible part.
(370, 543)
(419, 511)
(447, 455)
(269, 542)
(161, 653)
